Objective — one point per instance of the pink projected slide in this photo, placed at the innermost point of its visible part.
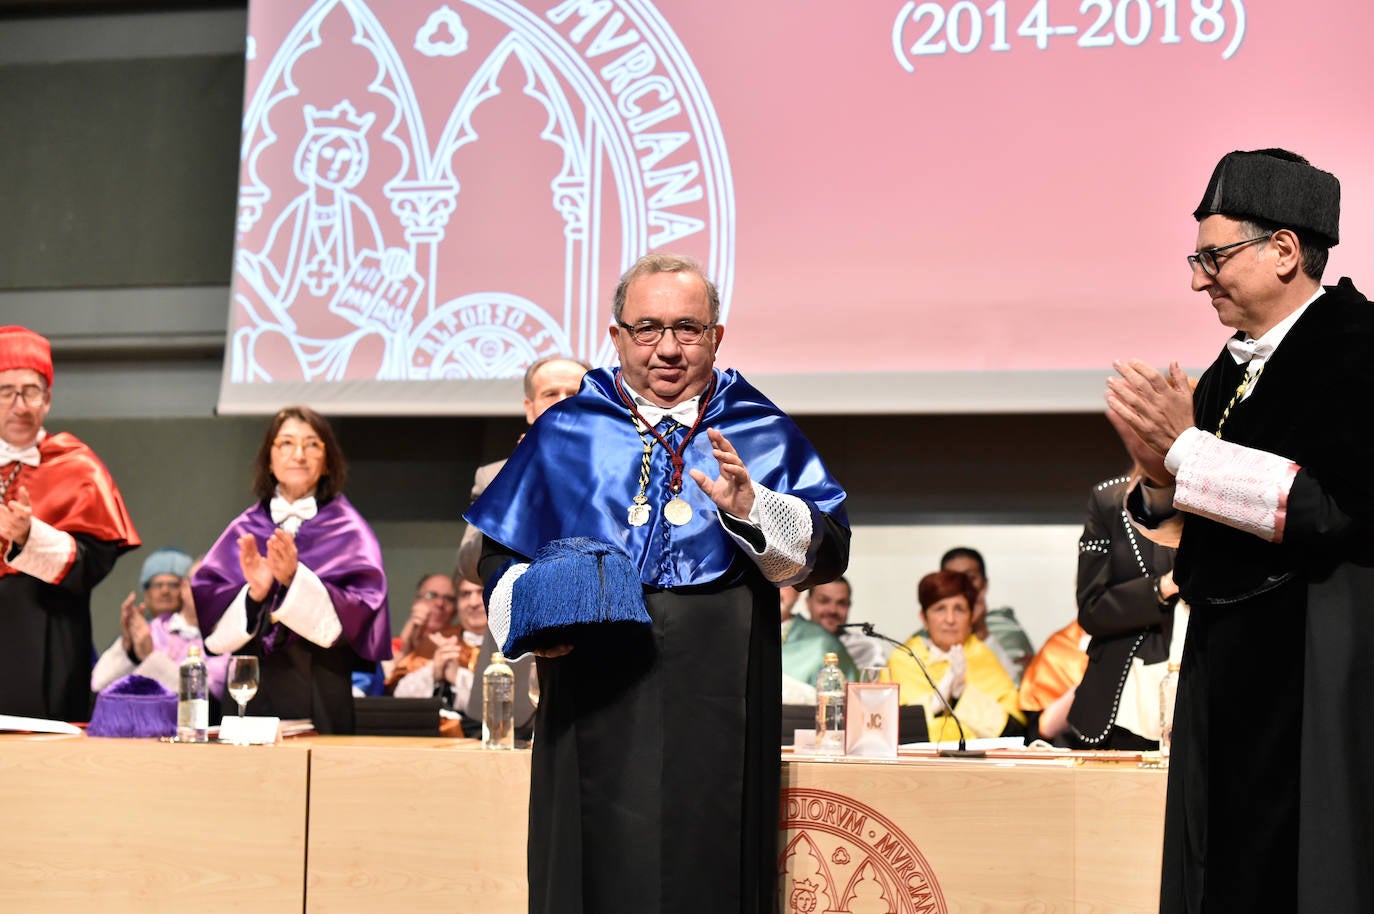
(907, 206)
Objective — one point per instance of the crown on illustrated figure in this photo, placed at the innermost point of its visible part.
(342, 117)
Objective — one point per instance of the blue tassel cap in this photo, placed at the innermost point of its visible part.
(571, 584)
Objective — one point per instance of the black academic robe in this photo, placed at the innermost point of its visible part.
(1271, 784)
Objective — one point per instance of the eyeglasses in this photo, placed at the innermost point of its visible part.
(447, 599)
(31, 394)
(648, 333)
(313, 447)
(1207, 257)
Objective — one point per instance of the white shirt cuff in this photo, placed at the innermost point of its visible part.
(1183, 446)
(47, 555)
(307, 609)
(231, 632)
(788, 530)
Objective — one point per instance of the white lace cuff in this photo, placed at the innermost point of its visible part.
(1235, 485)
(47, 555)
(790, 529)
(307, 609)
(498, 609)
(231, 632)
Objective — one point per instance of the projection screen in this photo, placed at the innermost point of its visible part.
(908, 207)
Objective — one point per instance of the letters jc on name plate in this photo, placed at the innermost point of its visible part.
(870, 719)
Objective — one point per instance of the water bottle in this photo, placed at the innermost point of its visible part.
(830, 707)
(193, 698)
(1168, 691)
(498, 704)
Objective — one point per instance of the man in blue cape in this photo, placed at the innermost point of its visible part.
(655, 778)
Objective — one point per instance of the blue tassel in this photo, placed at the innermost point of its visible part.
(573, 583)
(134, 706)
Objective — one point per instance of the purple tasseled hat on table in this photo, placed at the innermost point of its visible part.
(134, 706)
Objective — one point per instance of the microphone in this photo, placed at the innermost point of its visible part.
(963, 751)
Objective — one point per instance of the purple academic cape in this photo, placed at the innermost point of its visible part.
(337, 545)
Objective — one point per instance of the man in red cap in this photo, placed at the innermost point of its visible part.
(62, 525)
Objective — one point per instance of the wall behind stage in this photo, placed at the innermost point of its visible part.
(139, 355)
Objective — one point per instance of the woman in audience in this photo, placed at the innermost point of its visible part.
(297, 579)
(966, 672)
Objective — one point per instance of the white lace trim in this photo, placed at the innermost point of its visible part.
(498, 608)
(47, 554)
(789, 532)
(1235, 485)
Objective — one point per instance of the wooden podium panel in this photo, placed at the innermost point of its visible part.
(427, 824)
(942, 835)
(141, 826)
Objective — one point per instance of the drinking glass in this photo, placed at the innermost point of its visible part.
(243, 685)
(874, 674)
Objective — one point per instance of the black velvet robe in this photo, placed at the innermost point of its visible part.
(1271, 785)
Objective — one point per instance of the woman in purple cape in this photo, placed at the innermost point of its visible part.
(297, 579)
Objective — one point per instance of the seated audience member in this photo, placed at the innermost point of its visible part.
(431, 612)
(1047, 689)
(450, 669)
(155, 647)
(828, 606)
(966, 673)
(804, 646)
(997, 627)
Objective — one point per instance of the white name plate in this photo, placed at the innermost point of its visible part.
(250, 731)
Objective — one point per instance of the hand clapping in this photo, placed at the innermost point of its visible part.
(260, 571)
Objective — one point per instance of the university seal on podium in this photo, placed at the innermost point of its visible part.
(842, 856)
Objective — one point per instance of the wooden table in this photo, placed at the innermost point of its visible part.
(440, 825)
(110, 826)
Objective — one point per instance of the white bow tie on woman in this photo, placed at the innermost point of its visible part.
(289, 515)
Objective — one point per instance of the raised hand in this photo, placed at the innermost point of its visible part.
(16, 517)
(256, 571)
(731, 491)
(281, 556)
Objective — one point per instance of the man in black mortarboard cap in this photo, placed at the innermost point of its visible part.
(1267, 472)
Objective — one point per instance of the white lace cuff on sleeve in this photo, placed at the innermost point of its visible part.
(790, 528)
(498, 610)
(47, 555)
(1235, 485)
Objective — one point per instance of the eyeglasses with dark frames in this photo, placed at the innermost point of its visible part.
(1207, 257)
(648, 333)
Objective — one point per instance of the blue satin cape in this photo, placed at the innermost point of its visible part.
(576, 473)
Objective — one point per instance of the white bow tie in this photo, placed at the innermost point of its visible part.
(937, 654)
(289, 515)
(684, 413)
(1246, 350)
(27, 456)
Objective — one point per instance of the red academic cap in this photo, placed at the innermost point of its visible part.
(20, 347)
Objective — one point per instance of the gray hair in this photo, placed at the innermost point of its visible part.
(650, 264)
